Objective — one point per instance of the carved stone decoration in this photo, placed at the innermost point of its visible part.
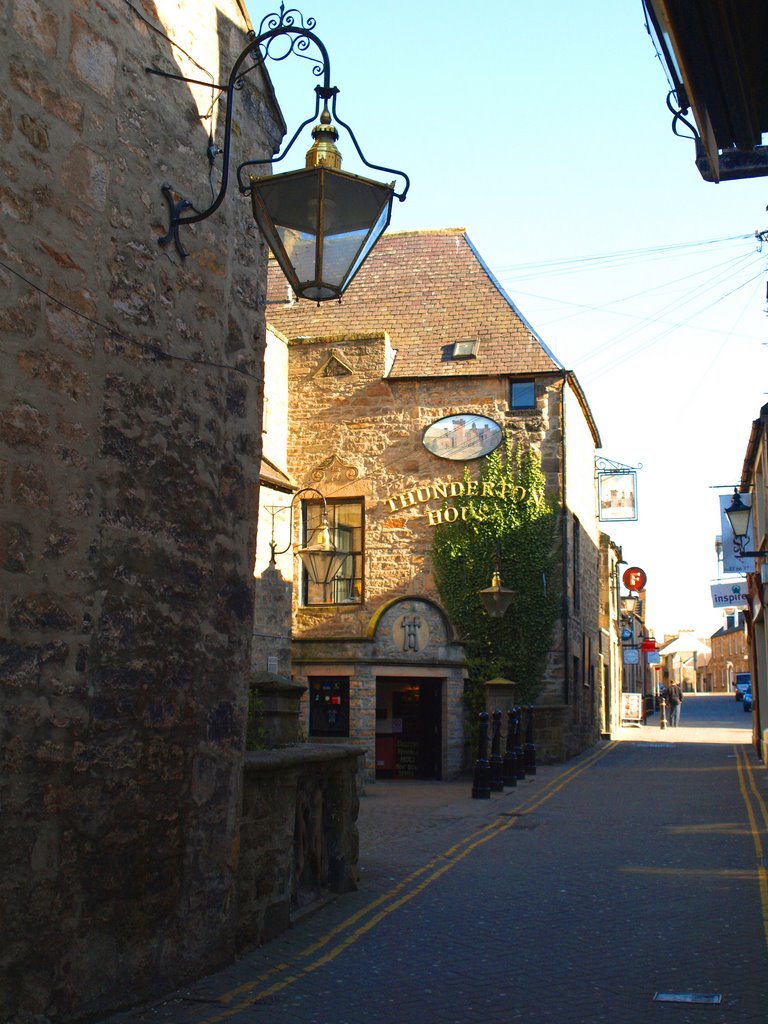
(414, 631)
(333, 471)
(335, 366)
(411, 629)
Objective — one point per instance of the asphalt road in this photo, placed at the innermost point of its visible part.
(629, 885)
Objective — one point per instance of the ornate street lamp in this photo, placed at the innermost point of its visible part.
(320, 222)
(320, 557)
(738, 515)
(496, 599)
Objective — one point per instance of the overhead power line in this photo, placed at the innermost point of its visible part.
(588, 262)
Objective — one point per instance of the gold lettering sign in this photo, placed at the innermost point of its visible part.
(443, 491)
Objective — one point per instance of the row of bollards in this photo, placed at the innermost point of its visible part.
(492, 775)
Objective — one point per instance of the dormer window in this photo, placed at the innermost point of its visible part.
(466, 349)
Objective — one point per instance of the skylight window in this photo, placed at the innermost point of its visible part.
(466, 349)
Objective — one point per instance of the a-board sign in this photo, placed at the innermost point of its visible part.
(632, 707)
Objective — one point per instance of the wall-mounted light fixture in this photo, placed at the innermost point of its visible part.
(320, 222)
(738, 515)
(628, 605)
(321, 559)
(496, 599)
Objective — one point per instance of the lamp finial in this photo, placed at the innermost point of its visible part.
(323, 151)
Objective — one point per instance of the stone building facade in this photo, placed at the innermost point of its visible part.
(611, 676)
(130, 440)
(754, 480)
(730, 654)
(425, 334)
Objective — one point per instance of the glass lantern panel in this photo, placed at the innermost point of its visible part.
(346, 213)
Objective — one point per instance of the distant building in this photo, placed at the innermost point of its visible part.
(730, 654)
(680, 658)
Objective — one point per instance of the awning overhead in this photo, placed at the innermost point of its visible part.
(714, 51)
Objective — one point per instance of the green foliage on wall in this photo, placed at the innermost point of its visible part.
(519, 532)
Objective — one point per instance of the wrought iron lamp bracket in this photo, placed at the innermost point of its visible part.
(740, 542)
(298, 38)
(175, 208)
(277, 509)
(677, 112)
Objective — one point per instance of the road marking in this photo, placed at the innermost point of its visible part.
(687, 997)
(678, 872)
(748, 786)
(386, 904)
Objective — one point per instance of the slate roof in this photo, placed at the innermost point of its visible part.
(272, 476)
(427, 290)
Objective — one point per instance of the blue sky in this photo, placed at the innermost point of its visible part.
(543, 130)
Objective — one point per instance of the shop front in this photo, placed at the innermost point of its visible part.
(398, 691)
(409, 714)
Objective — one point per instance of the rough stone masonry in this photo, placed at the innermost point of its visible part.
(130, 404)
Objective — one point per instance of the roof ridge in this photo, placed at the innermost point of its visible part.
(500, 289)
(425, 231)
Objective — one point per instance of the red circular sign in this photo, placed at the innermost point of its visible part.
(634, 578)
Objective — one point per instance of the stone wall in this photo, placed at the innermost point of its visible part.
(130, 396)
(582, 641)
(356, 434)
(299, 835)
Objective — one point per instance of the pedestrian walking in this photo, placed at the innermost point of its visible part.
(675, 700)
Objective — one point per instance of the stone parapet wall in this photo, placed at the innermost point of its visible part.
(299, 840)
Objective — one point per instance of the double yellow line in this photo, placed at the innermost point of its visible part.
(339, 938)
(757, 813)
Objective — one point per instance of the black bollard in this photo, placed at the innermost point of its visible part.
(529, 753)
(497, 762)
(481, 784)
(509, 773)
(518, 748)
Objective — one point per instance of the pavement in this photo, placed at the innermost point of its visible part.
(629, 885)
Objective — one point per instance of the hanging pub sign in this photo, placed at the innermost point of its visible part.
(634, 578)
(617, 496)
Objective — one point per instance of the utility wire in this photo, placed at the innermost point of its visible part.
(674, 305)
(623, 255)
(153, 350)
(653, 341)
(594, 307)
